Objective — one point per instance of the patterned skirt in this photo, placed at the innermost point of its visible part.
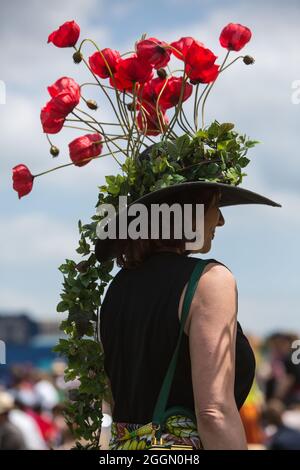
(178, 429)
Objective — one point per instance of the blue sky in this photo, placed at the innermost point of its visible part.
(259, 244)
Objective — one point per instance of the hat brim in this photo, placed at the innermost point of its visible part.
(230, 196)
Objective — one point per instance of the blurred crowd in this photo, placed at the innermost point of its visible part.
(271, 413)
(32, 402)
(32, 409)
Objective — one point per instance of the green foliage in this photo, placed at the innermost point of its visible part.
(216, 153)
(83, 286)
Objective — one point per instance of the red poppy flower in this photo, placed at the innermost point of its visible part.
(171, 92)
(98, 64)
(65, 93)
(85, 147)
(22, 180)
(63, 104)
(199, 56)
(181, 47)
(154, 52)
(200, 64)
(66, 35)
(149, 123)
(234, 36)
(206, 75)
(148, 92)
(64, 84)
(132, 70)
(120, 84)
(51, 121)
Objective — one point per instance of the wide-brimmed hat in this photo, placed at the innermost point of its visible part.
(230, 195)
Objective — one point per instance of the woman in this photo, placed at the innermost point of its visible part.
(139, 324)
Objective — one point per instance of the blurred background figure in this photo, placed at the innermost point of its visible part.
(280, 436)
(283, 381)
(10, 436)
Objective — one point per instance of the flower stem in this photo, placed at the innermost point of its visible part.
(232, 62)
(177, 110)
(113, 80)
(98, 81)
(210, 87)
(76, 127)
(82, 120)
(48, 138)
(69, 164)
(102, 123)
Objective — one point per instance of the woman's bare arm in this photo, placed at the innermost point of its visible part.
(212, 340)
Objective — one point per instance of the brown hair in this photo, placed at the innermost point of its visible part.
(133, 252)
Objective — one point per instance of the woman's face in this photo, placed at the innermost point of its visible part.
(213, 218)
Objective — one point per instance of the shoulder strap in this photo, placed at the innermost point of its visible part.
(160, 407)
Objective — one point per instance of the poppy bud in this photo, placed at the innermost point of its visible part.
(162, 73)
(247, 59)
(92, 104)
(130, 106)
(54, 151)
(77, 57)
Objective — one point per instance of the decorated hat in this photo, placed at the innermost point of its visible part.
(187, 177)
(162, 148)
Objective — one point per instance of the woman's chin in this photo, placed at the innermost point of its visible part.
(205, 249)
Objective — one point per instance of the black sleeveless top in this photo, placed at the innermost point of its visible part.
(139, 328)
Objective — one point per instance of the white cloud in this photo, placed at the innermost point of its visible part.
(14, 301)
(32, 239)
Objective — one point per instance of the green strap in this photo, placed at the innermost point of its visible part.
(160, 407)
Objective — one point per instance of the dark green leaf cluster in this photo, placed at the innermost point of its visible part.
(216, 153)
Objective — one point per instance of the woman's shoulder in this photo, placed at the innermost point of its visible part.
(215, 273)
(218, 265)
(216, 279)
(216, 290)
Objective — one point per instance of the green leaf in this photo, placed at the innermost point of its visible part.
(224, 128)
(213, 130)
(243, 161)
(212, 169)
(251, 143)
(172, 150)
(62, 306)
(182, 144)
(202, 134)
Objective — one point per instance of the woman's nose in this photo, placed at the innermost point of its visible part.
(221, 220)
